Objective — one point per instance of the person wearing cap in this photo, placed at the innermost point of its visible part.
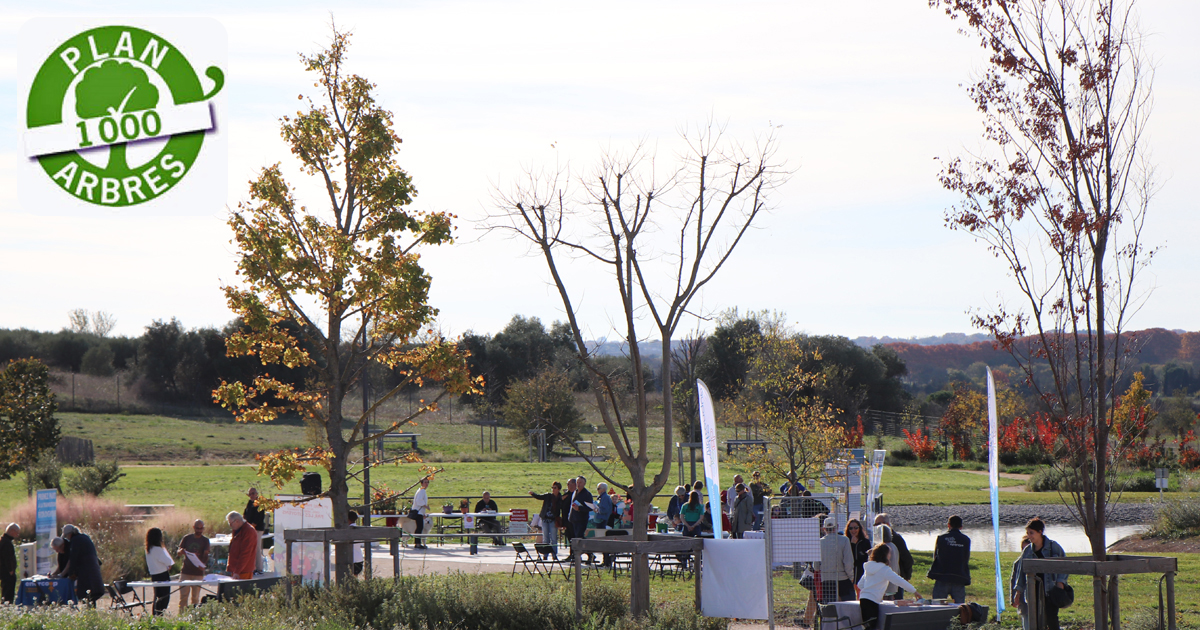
(837, 564)
(950, 571)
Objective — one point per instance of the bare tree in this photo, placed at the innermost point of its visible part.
(660, 241)
(103, 323)
(77, 320)
(1062, 200)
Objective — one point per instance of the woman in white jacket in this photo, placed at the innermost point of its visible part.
(159, 563)
(877, 575)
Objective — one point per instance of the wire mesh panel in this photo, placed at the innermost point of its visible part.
(793, 532)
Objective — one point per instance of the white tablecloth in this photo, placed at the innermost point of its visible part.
(851, 610)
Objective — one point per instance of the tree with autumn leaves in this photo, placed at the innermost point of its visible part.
(336, 286)
(1061, 196)
(783, 397)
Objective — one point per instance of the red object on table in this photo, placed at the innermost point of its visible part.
(518, 516)
(391, 521)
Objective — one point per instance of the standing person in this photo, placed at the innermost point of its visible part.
(859, 546)
(730, 495)
(84, 565)
(550, 513)
(905, 559)
(677, 502)
(742, 516)
(759, 491)
(579, 507)
(604, 508)
(198, 545)
(488, 524)
(1021, 605)
(837, 564)
(692, 515)
(565, 516)
(420, 508)
(950, 571)
(8, 562)
(893, 562)
(877, 576)
(160, 563)
(258, 520)
(1041, 547)
(242, 545)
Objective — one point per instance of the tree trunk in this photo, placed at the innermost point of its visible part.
(639, 581)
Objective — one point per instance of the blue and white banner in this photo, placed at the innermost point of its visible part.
(45, 528)
(708, 437)
(994, 478)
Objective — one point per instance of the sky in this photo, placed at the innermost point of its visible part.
(863, 98)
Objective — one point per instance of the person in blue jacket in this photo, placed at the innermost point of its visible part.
(1040, 547)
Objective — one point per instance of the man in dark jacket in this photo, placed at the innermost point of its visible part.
(579, 510)
(906, 559)
(565, 515)
(84, 565)
(488, 524)
(950, 571)
(257, 519)
(8, 563)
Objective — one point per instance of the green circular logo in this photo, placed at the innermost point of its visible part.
(116, 115)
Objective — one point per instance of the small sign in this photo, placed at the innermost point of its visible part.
(518, 516)
(1161, 478)
(45, 526)
(468, 522)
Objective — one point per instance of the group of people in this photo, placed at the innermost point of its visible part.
(576, 510)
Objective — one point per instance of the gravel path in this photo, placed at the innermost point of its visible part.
(934, 516)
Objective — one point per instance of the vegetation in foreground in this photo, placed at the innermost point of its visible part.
(456, 601)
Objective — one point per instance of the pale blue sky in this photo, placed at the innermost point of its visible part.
(866, 93)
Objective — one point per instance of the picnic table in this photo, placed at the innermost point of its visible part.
(221, 587)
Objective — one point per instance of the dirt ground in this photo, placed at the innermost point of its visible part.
(1140, 544)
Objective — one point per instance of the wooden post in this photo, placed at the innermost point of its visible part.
(696, 575)
(1033, 602)
(578, 583)
(395, 545)
(1170, 600)
(1099, 603)
(287, 568)
(325, 546)
(1114, 601)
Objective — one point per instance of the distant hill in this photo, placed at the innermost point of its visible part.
(948, 338)
(929, 364)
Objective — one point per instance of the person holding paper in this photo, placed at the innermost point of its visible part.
(604, 508)
(580, 502)
(194, 548)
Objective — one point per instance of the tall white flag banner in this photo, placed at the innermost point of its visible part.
(994, 478)
(708, 438)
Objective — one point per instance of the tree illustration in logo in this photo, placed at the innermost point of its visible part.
(113, 88)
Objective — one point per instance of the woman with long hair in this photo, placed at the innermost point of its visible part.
(692, 515)
(877, 576)
(1040, 547)
(859, 545)
(159, 562)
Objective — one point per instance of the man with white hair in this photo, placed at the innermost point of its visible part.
(83, 565)
(8, 562)
(242, 547)
(197, 544)
(63, 549)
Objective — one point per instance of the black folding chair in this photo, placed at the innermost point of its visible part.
(525, 559)
(548, 559)
(116, 592)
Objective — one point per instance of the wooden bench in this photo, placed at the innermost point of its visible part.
(747, 444)
(382, 439)
(920, 620)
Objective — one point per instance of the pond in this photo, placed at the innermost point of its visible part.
(1071, 537)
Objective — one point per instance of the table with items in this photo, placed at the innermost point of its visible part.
(40, 589)
(851, 610)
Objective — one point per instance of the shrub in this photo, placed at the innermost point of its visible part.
(1046, 479)
(95, 479)
(98, 361)
(922, 445)
(46, 472)
(1179, 518)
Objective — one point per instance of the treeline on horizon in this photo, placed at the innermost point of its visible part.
(173, 365)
